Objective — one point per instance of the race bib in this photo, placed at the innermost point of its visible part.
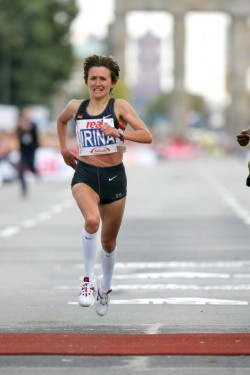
(91, 140)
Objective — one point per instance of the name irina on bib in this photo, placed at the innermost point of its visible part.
(92, 141)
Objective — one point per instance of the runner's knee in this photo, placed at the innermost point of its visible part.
(92, 224)
(108, 244)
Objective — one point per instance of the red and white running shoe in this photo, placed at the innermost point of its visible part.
(88, 292)
(102, 299)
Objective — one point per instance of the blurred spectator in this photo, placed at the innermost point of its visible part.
(27, 135)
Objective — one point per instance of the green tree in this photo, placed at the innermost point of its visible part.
(35, 51)
(121, 90)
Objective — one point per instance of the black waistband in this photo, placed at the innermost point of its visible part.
(94, 167)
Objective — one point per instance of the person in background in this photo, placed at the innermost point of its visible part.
(243, 140)
(27, 135)
(99, 184)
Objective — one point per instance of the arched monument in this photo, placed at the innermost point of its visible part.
(238, 113)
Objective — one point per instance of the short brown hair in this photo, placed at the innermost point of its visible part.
(98, 60)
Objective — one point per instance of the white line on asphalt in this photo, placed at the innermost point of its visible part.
(43, 216)
(242, 276)
(30, 223)
(180, 287)
(56, 209)
(230, 277)
(179, 301)
(227, 196)
(9, 231)
(154, 329)
(166, 287)
(217, 264)
(176, 301)
(183, 275)
(156, 265)
(40, 217)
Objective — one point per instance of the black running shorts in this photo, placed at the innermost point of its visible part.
(110, 183)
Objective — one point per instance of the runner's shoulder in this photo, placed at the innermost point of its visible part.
(121, 102)
(73, 105)
(122, 107)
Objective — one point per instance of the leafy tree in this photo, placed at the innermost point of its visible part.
(35, 51)
(121, 90)
(161, 104)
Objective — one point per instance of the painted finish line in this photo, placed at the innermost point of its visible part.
(186, 287)
(175, 264)
(176, 301)
(230, 274)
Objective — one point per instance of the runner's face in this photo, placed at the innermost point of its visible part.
(99, 82)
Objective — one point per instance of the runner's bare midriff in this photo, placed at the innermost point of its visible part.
(104, 160)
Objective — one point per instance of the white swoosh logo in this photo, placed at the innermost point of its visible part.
(111, 178)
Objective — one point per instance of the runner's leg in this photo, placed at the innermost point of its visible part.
(87, 200)
(111, 215)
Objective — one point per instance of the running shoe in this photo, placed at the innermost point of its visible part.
(102, 299)
(88, 292)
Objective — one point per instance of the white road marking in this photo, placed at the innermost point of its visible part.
(182, 275)
(43, 216)
(30, 223)
(208, 278)
(56, 209)
(9, 231)
(175, 301)
(157, 265)
(179, 301)
(243, 287)
(154, 329)
(170, 275)
(40, 217)
(180, 287)
(227, 197)
(242, 276)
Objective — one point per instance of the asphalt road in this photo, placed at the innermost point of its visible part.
(183, 266)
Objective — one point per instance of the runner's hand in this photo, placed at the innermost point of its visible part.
(243, 138)
(69, 158)
(108, 130)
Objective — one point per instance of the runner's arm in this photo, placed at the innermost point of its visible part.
(65, 116)
(127, 115)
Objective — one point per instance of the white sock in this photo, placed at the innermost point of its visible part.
(108, 265)
(90, 246)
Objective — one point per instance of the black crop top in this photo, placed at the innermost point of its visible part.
(108, 112)
(90, 139)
